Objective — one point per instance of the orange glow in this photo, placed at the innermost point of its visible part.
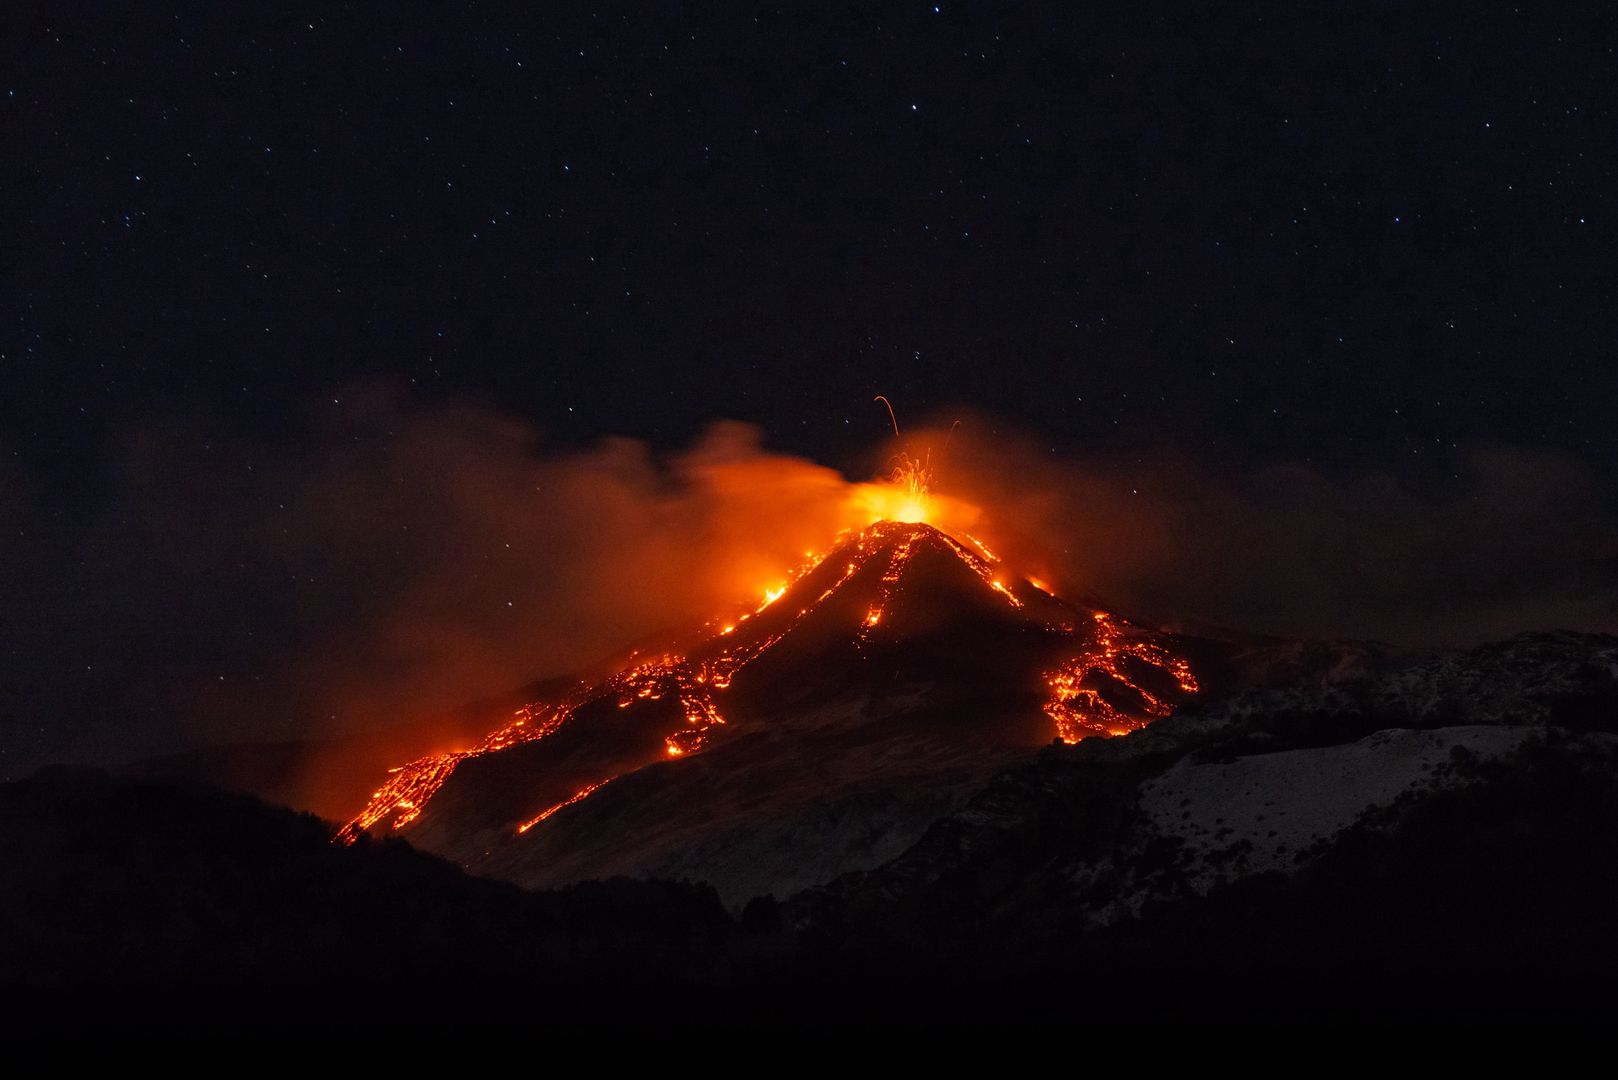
(1076, 704)
(907, 496)
(904, 498)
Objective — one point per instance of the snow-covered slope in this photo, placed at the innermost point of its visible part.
(1264, 812)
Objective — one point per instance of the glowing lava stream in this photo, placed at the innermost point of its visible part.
(1080, 710)
(1077, 705)
(410, 787)
(588, 789)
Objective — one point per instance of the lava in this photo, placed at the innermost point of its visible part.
(582, 793)
(1077, 705)
(890, 581)
(410, 787)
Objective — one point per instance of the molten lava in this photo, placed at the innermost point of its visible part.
(583, 792)
(1079, 705)
(1115, 678)
(402, 799)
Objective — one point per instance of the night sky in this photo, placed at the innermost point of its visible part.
(1367, 244)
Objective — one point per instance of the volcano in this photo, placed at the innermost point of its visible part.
(819, 734)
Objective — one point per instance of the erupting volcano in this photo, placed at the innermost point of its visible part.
(817, 732)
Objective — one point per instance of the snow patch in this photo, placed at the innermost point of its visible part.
(1261, 813)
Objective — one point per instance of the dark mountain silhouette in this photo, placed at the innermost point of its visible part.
(141, 891)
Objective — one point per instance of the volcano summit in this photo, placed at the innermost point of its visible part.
(818, 734)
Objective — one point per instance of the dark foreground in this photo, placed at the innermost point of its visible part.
(131, 902)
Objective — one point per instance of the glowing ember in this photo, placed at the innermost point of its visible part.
(1076, 704)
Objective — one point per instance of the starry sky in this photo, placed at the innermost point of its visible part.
(1368, 241)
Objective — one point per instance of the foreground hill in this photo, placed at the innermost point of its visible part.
(117, 885)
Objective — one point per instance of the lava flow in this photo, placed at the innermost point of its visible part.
(1080, 707)
(1114, 679)
(584, 792)
(410, 786)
